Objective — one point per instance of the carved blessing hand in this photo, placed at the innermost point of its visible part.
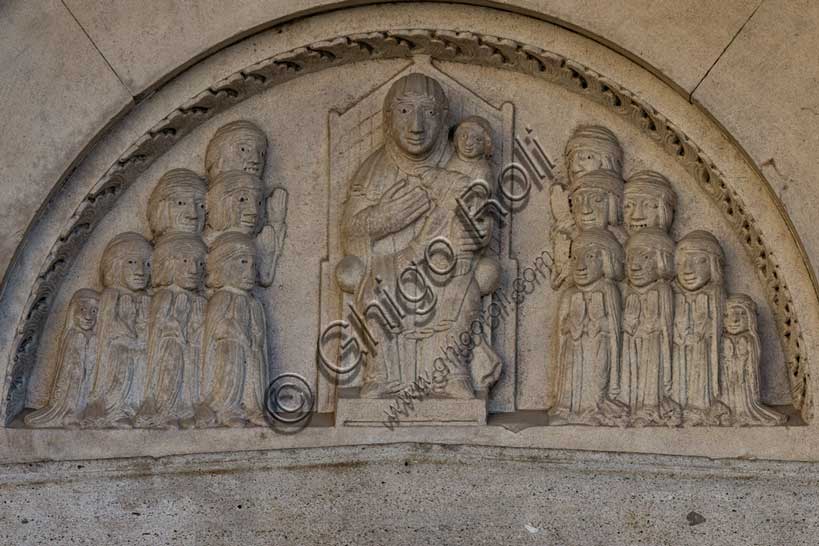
(277, 206)
(405, 207)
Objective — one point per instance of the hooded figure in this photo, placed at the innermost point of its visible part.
(588, 335)
(75, 365)
(233, 366)
(699, 305)
(177, 203)
(740, 360)
(119, 381)
(648, 321)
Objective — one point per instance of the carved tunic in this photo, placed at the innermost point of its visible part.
(174, 341)
(234, 358)
(646, 381)
(75, 372)
(120, 372)
(588, 352)
(697, 330)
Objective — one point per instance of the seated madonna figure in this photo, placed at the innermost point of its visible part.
(119, 382)
(75, 365)
(174, 331)
(233, 365)
(177, 203)
(398, 202)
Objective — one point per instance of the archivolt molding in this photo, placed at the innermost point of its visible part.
(445, 45)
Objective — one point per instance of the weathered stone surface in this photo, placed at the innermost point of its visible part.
(58, 94)
(657, 33)
(769, 74)
(411, 494)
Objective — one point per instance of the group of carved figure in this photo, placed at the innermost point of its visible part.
(177, 337)
(646, 334)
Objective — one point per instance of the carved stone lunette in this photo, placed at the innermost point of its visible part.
(439, 44)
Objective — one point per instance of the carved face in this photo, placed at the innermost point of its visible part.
(736, 319)
(470, 141)
(642, 210)
(245, 207)
(588, 265)
(187, 212)
(417, 121)
(643, 266)
(584, 161)
(85, 313)
(240, 270)
(590, 207)
(135, 271)
(188, 268)
(693, 269)
(245, 153)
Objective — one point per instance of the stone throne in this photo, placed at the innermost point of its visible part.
(354, 134)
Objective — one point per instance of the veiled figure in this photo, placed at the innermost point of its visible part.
(121, 341)
(699, 305)
(399, 200)
(649, 201)
(174, 332)
(648, 321)
(234, 355)
(75, 365)
(740, 357)
(588, 348)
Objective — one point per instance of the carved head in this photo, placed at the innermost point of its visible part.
(740, 314)
(126, 262)
(177, 203)
(597, 254)
(595, 199)
(698, 260)
(238, 146)
(473, 139)
(179, 259)
(234, 202)
(591, 148)
(649, 257)
(415, 111)
(82, 310)
(648, 201)
(232, 261)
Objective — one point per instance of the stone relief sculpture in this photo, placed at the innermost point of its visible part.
(174, 332)
(740, 357)
(648, 321)
(589, 318)
(76, 361)
(649, 202)
(672, 366)
(119, 381)
(400, 198)
(235, 200)
(699, 306)
(233, 365)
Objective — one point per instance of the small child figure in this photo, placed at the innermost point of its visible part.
(740, 360)
(75, 365)
(473, 148)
